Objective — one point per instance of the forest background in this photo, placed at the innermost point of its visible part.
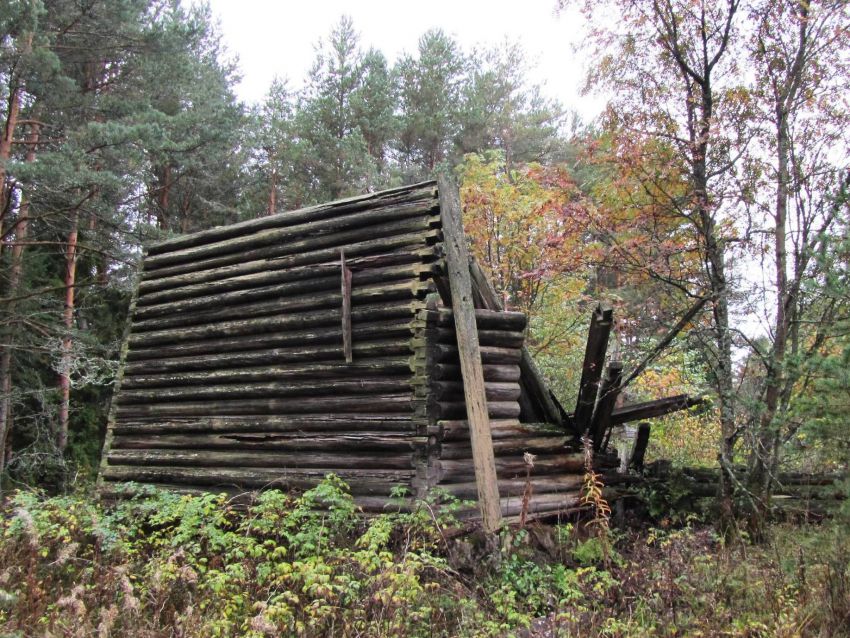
(708, 204)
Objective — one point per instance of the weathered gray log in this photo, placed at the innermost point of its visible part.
(296, 425)
(289, 389)
(386, 404)
(270, 272)
(408, 237)
(445, 353)
(653, 409)
(351, 442)
(484, 319)
(492, 372)
(391, 197)
(345, 286)
(463, 308)
(360, 482)
(494, 390)
(458, 430)
(610, 388)
(263, 325)
(495, 410)
(591, 371)
(639, 449)
(369, 369)
(516, 487)
(499, 338)
(256, 458)
(508, 446)
(371, 220)
(539, 504)
(456, 471)
(276, 356)
(362, 331)
(305, 302)
(248, 334)
(394, 233)
(290, 290)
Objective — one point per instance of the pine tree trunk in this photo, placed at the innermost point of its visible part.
(67, 342)
(12, 114)
(163, 197)
(19, 234)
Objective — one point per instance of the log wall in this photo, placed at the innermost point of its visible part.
(235, 376)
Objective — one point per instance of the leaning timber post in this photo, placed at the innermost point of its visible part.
(457, 258)
(591, 371)
(639, 450)
(600, 423)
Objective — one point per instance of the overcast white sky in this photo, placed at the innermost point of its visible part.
(277, 37)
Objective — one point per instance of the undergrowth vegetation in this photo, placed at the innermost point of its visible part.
(163, 564)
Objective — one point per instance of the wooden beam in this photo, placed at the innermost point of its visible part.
(653, 409)
(457, 258)
(601, 420)
(639, 449)
(591, 371)
(345, 279)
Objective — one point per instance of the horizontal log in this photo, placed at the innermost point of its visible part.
(783, 479)
(213, 459)
(653, 409)
(495, 410)
(399, 366)
(297, 425)
(392, 197)
(540, 504)
(498, 338)
(307, 302)
(492, 372)
(458, 430)
(268, 325)
(408, 237)
(387, 404)
(271, 389)
(242, 440)
(506, 446)
(311, 286)
(494, 390)
(272, 275)
(312, 232)
(489, 355)
(318, 335)
(484, 319)
(511, 488)
(360, 482)
(461, 470)
(275, 356)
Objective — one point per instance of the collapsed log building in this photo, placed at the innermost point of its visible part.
(355, 338)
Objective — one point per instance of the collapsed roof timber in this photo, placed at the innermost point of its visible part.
(355, 337)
